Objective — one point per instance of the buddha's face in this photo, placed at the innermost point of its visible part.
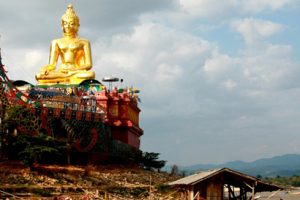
(70, 26)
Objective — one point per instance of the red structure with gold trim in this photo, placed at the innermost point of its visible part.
(87, 104)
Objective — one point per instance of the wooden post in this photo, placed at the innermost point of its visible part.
(190, 192)
(253, 190)
(150, 188)
(197, 196)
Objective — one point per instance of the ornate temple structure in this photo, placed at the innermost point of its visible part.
(69, 104)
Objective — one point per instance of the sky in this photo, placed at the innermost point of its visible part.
(219, 79)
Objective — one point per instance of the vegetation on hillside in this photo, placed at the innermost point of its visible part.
(37, 171)
(284, 181)
(18, 143)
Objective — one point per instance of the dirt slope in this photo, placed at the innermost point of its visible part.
(88, 182)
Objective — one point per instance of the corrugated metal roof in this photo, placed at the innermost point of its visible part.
(195, 177)
(238, 177)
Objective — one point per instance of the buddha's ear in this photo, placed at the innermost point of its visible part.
(77, 21)
(62, 25)
(62, 28)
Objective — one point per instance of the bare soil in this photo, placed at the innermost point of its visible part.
(82, 182)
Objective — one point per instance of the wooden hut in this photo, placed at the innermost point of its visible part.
(221, 184)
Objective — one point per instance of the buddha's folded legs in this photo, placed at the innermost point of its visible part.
(74, 77)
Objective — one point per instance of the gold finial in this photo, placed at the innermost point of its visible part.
(70, 14)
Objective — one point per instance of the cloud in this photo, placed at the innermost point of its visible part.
(39, 22)
(220, 9)
(206, 8)
(218, 65)
(152, 52)
(168, 72)
(254, 30)
(205, 90)
(24, 63)
(229, 84)
(259, 5)
(269, 66)
(257, 70)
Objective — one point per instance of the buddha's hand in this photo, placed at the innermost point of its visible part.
(82, 67)
(46, 69)
(65, 68)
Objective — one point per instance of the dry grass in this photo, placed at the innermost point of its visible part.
(53, 180)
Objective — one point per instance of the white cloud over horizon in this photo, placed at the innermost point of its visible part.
(254, 30)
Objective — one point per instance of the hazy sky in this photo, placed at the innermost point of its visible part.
(219, 79)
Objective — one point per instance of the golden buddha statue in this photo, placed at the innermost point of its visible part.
(74, 53)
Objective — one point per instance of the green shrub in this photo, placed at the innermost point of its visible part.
(42, 192)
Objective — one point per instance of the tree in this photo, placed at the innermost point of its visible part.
(259, 176)
(23, 144)
(150, 161)
(174, 170)
(38, 148)
(21, 118)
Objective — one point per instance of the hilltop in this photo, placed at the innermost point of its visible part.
(88, 182)
(284, 165)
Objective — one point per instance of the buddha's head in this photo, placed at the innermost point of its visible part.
(70, 22)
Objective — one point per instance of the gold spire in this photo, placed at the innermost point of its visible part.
(70, 14)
